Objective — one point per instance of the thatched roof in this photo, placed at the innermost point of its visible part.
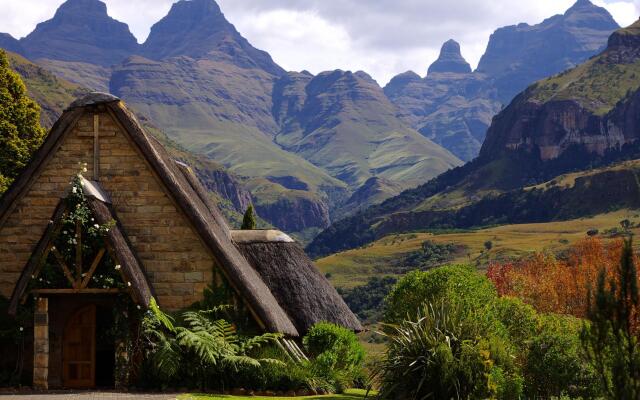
(117, 243)
(186, 192)
(305, 294)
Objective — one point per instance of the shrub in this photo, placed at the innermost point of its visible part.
(201, 350)
(460, 283)
(519, 319)
(445, 353)
(336, 354)
(555, 363)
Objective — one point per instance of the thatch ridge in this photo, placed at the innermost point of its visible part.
(306, 294)
(211, 227)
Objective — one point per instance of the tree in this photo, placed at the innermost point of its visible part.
(625, 224)
(488, 245)
(249, 219)
(20, 130)
(611, 338)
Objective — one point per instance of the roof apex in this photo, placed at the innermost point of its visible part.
(92, 99)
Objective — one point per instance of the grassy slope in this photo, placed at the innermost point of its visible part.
(52, 93)
(349, 128)
(354, 267)
(225, 119)
(597, 84)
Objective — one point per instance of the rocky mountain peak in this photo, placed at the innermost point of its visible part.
(199, 29)
(450, 59)
(585, 14)
(81, 30)
(73, 8)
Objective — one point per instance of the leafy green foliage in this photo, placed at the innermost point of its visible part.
(463, 341)
(555, 361)
(336, 354)
(367, 300)
(459, 283)
(20, 130)
(249, 219)
(79, 231)
(611, 338)
(203, 350)
(431, 254)
(445, 353)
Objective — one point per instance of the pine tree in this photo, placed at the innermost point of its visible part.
(611, 338)
(249, 220)
(20, 130)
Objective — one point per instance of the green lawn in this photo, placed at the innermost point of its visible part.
(351, 394)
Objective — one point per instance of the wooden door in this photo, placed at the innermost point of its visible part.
(79, 349)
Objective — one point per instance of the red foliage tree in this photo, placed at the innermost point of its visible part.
(558, 284)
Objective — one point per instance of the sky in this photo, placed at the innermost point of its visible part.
(381, 37)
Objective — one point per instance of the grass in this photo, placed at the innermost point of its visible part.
(351, 394)
(355, 267)
(597, 84)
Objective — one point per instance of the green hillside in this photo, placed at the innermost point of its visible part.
(389, 255)
(602, 81)
(52, 93)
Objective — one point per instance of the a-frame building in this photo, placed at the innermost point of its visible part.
(166, 239)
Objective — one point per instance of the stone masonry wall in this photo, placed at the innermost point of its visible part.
(176, 261)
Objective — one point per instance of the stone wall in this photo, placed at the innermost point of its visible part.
(177, 263)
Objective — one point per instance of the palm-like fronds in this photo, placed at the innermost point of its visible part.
(214, 343)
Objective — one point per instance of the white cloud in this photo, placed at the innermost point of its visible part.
(382, 37)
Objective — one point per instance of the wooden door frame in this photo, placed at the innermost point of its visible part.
(65, 365)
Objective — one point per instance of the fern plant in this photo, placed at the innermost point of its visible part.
(203, 345)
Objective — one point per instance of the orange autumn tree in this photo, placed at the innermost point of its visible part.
(559, 285)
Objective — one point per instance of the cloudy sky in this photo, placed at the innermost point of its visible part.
(382, 37)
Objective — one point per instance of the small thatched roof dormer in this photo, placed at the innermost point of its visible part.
(305, 294)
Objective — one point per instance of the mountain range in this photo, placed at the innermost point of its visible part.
(558, 151)
(309, 149)
(453, 106)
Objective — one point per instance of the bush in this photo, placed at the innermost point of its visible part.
(460, 283)
(336, 354)
(445, 353)
(555, 363)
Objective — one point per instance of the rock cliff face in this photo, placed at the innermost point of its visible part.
(450, 60)
(593, 107)
(454, 107)
(519, 55)
(227, 186)
(81, 31)
(451, 106)
(295, 214)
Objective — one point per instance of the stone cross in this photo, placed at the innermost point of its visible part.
(96, 144)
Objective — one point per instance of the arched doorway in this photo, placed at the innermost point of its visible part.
(79, 349)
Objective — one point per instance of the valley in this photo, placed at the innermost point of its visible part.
(386, 256)
(308, 149)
